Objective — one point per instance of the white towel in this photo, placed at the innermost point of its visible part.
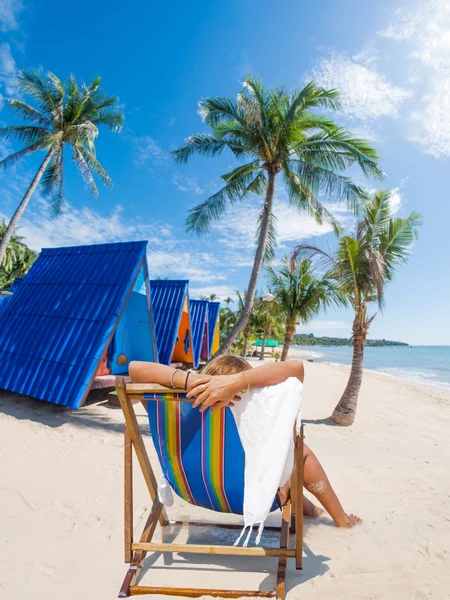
(265, 420)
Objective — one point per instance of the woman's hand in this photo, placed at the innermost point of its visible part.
(216, 391)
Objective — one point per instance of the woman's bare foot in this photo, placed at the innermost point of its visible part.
(349, 521)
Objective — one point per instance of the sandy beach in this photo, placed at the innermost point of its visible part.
(61, 500)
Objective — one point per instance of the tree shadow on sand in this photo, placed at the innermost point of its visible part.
(54, 416)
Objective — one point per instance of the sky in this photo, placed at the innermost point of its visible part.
(391, 63)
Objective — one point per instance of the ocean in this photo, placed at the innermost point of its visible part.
(428, 365)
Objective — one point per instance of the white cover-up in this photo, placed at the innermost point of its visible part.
(265, 420)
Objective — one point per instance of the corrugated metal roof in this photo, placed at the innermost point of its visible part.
(168, 298)
(199, 315)
(55, 328)
(213, 314)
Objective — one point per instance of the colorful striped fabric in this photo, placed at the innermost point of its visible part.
(213, 450)
(200, 454)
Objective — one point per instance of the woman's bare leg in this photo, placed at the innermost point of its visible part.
(317, 482)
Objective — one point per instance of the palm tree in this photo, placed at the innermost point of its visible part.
(277, 133)
(213, 297)
(228, 300)
(249, 325)
(66, 115)
(362, 265)
(227, 321)
(17, 260)
(300, 295)
(267, 318)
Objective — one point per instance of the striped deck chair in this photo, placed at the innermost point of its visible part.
(202, 458)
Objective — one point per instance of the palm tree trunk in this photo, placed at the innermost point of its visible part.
(289, 334)
(263, 346)
(345, 411)
(257, 264)
(22, 206)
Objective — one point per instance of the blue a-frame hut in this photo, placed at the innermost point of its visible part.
(199, 321)
(58, 325)
(213, 327)
(172, 322)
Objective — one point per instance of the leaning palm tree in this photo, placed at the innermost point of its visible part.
(300, 295)
(17, 260)
(65, 115)
(362, 265)
(276, 134)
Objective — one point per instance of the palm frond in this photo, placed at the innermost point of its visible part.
(28, 113)
(84, 169)
(95, 166)
(204, 144)
(271, 241)
(201, 216)
(334, 185)
(216, 110)
(23, 133)
(304, 200)
(15, 157)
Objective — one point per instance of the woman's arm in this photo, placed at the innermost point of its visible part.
(148, 372)
(209, 390)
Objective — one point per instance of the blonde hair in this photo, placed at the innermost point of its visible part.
(226, 365)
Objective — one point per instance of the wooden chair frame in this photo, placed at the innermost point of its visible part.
(135, 552)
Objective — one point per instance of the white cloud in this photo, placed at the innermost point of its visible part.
(238, 228)
(177, 263)
(9, 10)
(8, 71)
(187, 184)
(366, 93)
(395, 200)
(222, 291)
(321, 325)
(426, 34)
(81, 226)
(147, 151)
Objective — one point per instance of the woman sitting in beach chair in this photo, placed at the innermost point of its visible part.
(220, 385)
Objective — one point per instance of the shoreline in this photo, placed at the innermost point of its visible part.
(424, 386)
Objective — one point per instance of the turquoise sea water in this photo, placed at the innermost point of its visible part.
(429, 365)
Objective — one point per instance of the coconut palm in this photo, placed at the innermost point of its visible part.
(268, 319)
(17, 260)
(277, 134)
(251, 321)
(228, 300)
(300, 295)
(362, 265)
(65, 115)
(213, 297)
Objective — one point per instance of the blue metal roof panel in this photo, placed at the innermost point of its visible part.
(199, 315)
(54, 329)
(213, 315)
(168, 298)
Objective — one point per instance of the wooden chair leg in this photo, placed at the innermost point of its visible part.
(298, 500)
(128, 494)
(139, 556)
(138, 444)
(282, 560)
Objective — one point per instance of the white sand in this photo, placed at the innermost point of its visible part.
(61, 501)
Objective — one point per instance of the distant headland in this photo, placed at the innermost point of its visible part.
(309, 339)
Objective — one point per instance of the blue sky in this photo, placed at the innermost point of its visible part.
(391, 63)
